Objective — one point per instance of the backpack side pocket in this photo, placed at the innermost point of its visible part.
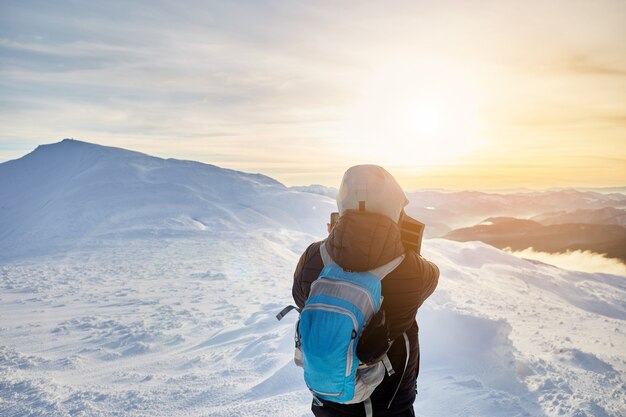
(367, 378)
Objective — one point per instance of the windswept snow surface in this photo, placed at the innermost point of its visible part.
(132, 314)
(186, 327)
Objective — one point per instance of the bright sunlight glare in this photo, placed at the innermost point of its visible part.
(427, 120)
(425, 117)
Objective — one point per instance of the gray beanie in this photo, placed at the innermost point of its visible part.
(373, 189)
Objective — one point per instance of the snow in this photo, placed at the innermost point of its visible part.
(128, 306)
(529, 317)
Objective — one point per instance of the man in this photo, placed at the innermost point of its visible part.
(366, 236)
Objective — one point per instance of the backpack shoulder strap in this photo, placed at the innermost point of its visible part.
(326, 258)
(382, 271)
(407, 347)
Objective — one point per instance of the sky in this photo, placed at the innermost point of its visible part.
(444, 94)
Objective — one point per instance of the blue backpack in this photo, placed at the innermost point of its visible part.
(340, 305)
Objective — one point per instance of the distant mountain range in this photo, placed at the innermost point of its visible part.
(560, 219)
(466, 208)
(519, 234)
(442, 211)
(606, 215)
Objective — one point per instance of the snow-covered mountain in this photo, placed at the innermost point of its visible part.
(137, 310)
(73, 193)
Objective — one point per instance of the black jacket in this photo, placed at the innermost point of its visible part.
(361, 241)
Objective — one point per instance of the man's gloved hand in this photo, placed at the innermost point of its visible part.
(374, 341)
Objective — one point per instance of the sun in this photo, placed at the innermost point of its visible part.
(428, 120)
(445, 127)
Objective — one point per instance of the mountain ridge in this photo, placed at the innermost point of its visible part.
(70, 143)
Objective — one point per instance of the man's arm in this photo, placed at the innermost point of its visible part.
(416, 279)
(307, 271)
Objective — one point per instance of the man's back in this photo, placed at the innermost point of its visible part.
(359, 242)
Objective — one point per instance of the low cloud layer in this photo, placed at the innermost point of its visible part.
(577, 260)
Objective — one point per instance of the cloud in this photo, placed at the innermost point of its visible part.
(577, 260)
(608, 119)
(584, 64)
(250, 85)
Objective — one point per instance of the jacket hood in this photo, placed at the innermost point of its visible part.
(373, 189)
(361, 241)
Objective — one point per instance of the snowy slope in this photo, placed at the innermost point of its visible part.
(72, 193)
(180, 322)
